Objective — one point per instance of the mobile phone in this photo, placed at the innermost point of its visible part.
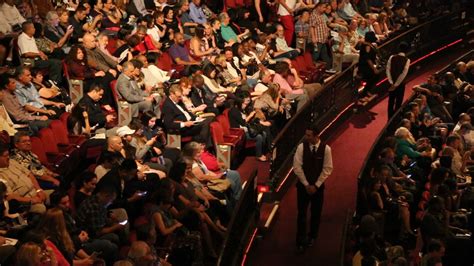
(95, 254)
(123, 222)
(409, 176)
(143, 193)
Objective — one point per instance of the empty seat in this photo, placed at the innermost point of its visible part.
(51, 145)
(50, 160)
(60, 132)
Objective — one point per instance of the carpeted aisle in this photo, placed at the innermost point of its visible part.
(349, 150)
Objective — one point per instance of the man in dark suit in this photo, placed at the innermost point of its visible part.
(199, 96)
(91, 101)
(176, 118)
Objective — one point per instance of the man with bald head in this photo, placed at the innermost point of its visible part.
(128, 90)
(180, 54)
(97, 59)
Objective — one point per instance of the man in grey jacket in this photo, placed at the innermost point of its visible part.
(128, 90)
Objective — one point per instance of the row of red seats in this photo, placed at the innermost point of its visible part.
(59, 150)
(223, 134)
(307, 69)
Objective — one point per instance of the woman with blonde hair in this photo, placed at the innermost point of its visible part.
(32, 253)
(271, 102)
(381, 25)
(407, 146)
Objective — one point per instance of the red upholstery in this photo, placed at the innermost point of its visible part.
(61, 134)
(113, 85)
(112, 45)
(224, 121)
(65, 69)
(426, 195)
(308, 60)
(64, 116)
(38, 149)
(51, 160)
(166, 63)
(52, 145)
(218, 135)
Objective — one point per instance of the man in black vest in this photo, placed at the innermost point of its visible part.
(312, 165)
(397, 70)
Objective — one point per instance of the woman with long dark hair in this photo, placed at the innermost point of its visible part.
(241, 116)
(78, 121)
(79, 69)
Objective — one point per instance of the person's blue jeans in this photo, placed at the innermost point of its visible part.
(236, 183)
(321, 52)
(259, 140)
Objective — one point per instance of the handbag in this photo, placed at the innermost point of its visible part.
(255, 128)
(220, 185)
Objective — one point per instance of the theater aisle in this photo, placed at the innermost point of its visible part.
(349, 148)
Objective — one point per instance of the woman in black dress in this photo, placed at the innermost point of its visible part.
(367, 67)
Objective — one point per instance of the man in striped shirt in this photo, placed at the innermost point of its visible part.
(320, 34)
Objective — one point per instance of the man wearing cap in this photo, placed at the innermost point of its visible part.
(312, 165)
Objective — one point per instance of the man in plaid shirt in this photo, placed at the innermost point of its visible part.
(93, 216)
(320, 35)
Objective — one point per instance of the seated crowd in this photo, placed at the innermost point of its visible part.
(171, 68)
(416, 196)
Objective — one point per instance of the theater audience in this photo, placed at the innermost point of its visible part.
(181, 67)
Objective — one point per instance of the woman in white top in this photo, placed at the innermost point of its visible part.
(199, 47)
(209, 75)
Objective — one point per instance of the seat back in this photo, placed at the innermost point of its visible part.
(165, 62)
(217, 133)
(50, 143)
(112, 45)
(64, 116)
(224, 121)
(308, 60)
(124, 111)
(76, 86)
(38, 149)
(302, 63)
(59, 131)
(113, 87)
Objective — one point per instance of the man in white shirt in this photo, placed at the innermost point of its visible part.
(11, 14)
(397, 70)
(312, 165)
(33, 56)
(342, 51)
(153, 76)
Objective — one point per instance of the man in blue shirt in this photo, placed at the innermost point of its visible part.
(29, 97)
(196, 13)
